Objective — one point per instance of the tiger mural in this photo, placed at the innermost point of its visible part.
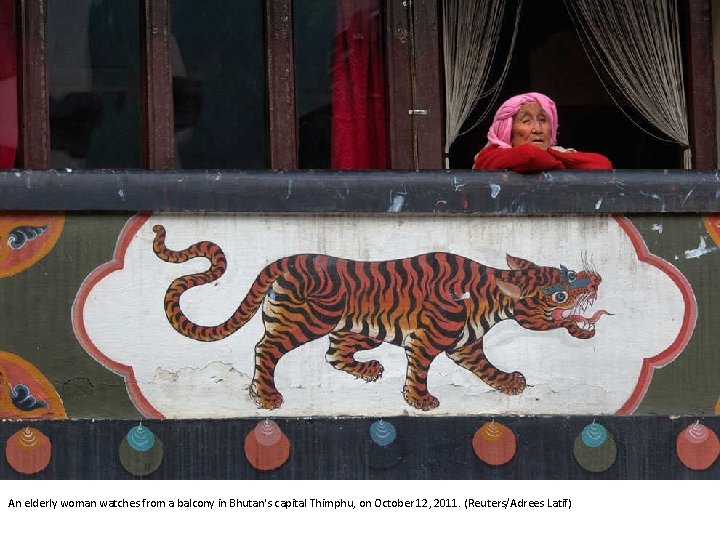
(427, 304)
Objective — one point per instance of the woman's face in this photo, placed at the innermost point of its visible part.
(531, 125)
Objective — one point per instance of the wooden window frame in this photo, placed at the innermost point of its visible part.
(156, 91)
(413, 84)
(701, 85)
(33, 96)
(415, 101)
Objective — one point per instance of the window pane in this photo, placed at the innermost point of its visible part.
(8, 85)
(94, 65)
(340, 84)
(218, 66)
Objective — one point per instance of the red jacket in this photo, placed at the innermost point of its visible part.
(528, 158)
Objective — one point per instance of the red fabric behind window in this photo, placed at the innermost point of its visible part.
(8, 85)
(358, 88)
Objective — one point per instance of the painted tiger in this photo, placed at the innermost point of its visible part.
(427, 304)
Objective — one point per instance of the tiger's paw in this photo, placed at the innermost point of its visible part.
(370, 371)
(428, 402)
(266, 399)
(512, 385)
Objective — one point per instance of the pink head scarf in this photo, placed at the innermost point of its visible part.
(501, 128)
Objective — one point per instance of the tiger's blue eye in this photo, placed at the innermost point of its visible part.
(560, 296)
(571, 276)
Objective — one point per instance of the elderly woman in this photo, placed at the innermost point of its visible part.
(523, 137)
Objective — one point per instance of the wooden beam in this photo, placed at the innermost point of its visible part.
(33, 100)
(282, 118)
(158, 139)
(701, 85)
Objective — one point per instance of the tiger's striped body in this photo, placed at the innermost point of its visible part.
(428, 304)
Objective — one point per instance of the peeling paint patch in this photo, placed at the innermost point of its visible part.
(456, 183)
(657, 198)
(687, 196)
(701, 250)
(494, 190)
(397, 203)
(289, 189)
(657, 227)
(598, 204)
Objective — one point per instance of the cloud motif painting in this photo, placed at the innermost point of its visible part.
(25, 238)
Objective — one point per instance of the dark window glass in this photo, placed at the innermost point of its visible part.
(94, 60)
(218, 66)
(547, 55)
(340, 84)
(8, 85)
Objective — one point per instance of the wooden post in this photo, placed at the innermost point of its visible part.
(400, 101)
(281, 85)
(428, 97)
(33, 100)
(158, 140)
(414, 98)
(701, 85)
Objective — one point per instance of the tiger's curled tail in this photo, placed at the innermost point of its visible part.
(218, 265)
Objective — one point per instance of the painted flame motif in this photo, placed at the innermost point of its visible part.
(491, 431)
(141, 439)
(712, 225)
(28, 438)
(594, 435)
(697, 433)
(267, 433)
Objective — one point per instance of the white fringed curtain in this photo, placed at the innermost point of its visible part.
(637, 44)
(471, 29)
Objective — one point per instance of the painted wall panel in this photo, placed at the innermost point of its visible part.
(120, 319)
(89, 317)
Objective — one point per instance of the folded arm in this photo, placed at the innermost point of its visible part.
(525, 158)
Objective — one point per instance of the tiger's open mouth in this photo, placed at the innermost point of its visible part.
(575, 313)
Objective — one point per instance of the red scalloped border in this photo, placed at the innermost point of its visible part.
(686, 329)
(143, 405)
(117, 263)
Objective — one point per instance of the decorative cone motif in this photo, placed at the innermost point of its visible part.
(595, 449)
(141, 452)
(698, 447)
(266, 446)
(382, 433)
(28, 451)
(494, 443)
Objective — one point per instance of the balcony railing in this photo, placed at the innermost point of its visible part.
(460, 191)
